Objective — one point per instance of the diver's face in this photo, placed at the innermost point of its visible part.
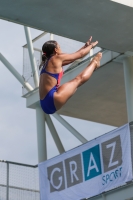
(58, 49)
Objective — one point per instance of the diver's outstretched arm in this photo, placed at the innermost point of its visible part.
(79, 54)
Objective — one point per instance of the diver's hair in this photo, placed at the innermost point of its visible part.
(48, 49)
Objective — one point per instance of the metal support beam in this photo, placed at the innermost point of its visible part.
(41, 134)
(51, 36)
(54, 134)
(31, 55)
(7, 183)
(15, 73)
(91, 53)
(128, 75)
(70, 128)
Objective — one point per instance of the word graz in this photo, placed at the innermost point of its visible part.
(86, 165)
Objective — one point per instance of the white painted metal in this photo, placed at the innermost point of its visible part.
(128, 75)
(7, 182)
(37, 38)
(54, 134)
(15, 73)
(70, 128)
(31, 55)
(41, 134)
(51, 36)
(91, 53)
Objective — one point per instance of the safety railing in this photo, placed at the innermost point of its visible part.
(18, 181)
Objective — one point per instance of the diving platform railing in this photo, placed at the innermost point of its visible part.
(19, 181)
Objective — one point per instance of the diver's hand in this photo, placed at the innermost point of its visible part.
(91, 43)
(88, 42)
(94, 44)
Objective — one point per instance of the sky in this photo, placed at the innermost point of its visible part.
(18, 134)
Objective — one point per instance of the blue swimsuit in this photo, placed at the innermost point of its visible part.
(47, 103)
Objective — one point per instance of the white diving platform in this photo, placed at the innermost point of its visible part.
(107, 21)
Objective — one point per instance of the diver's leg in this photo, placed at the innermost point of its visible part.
(68, 89)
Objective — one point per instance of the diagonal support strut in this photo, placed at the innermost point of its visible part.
(15, 73)
(31, 55)
(70, 128)
(54, 134)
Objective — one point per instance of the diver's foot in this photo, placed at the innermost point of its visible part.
(97, 59)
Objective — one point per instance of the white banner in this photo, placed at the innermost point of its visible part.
(97, 166)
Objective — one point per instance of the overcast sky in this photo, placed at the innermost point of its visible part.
(18, 136)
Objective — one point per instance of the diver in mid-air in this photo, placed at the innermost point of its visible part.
(52, 95)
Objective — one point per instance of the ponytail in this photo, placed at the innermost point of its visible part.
(44, 60)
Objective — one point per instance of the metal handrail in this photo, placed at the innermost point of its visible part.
(16, 163)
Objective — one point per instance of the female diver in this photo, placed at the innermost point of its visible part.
(53, 96)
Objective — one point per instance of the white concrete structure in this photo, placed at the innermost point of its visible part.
(107, 21)
(123, 2)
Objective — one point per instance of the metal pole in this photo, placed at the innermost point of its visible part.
(70, 128)
(51, 36)
(54, 134)
(128, 76)
(7, 183)
(15, 73)
(32, 57)
(91, 53)
(41, 134)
